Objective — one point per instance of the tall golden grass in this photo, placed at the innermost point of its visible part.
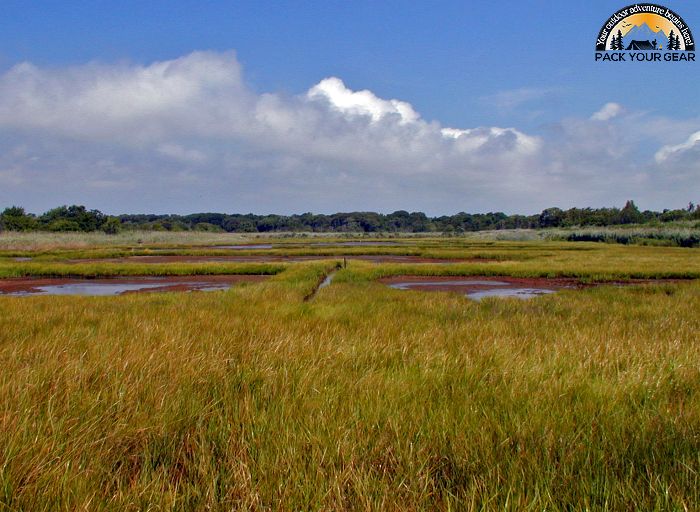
(366, 398)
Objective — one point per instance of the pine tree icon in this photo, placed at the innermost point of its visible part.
(616, 42)
(674, 42)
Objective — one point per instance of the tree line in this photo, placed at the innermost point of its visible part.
(63, 218)
(79, 218)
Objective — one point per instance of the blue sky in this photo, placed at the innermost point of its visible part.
(521, 66)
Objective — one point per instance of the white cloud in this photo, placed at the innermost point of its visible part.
(140, 104)
(188, 134)
(608, 112)
(472, 139)
(670, 152)
(363, 103)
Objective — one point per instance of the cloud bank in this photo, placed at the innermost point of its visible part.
(189, 135)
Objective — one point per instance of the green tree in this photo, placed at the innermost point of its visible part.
(695, 214)
(112, 226)
(630, 214)
(63, 225)
(15, 218)
(86, 220)
(239, 224)
(208, 227)
(551, 218)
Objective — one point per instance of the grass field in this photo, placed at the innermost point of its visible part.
(362, 398)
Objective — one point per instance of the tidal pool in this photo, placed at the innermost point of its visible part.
(518, 293)
(478, 288)
(310, 243)
(417, 285)
(358, 243)
(243, 247)
(120, 285)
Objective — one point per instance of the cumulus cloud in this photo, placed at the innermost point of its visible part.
(188, 134)
(505, 138)
(363, 103)
(199, 93)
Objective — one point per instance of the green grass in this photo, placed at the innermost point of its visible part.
(365, 398)
(45, 240)
(42, 240)
(657, 236)
(129, 269)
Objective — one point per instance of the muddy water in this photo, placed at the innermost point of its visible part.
(417, 285)
(92, 289)
(242, 247)
(518, 293)
(327, 281)
(480, 288)
(119, 286)
(358, 243)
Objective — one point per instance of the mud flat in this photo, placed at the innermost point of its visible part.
(27, 286)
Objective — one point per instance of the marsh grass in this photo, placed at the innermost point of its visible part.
(43, 240)
(126, 269)
(538, 254)
(366, 398)
(589, 262)
(686, 236)
(11, 240)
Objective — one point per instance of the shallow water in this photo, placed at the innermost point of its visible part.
(409, 285)
(310, 243)
(92, 289)
(356, 244)
(111, 287)
(518, 293)
(476, 289)
(327, 281)
(243, 247)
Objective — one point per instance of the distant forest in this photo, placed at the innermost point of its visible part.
(78, 218)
